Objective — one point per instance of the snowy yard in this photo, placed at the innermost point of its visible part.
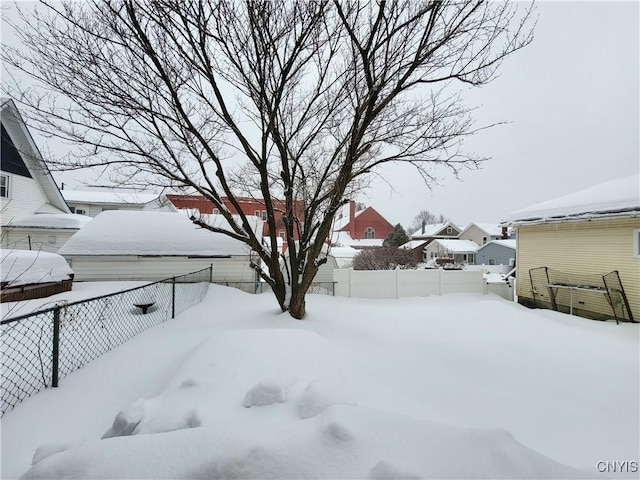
(457, 386)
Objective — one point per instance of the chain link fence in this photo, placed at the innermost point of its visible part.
(39, 348)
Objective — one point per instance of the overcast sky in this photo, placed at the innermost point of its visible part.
(572, 100)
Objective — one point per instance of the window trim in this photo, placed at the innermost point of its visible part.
(369, 231)
(7, 186)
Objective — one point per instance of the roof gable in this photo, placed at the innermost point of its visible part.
(20, 139)
(437, 230)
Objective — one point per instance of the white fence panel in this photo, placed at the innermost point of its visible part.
(418, 283)
(461, 281)
(407, 283)
(374, 284)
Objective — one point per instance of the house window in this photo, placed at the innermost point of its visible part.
(492, 261)
(4, 186)
(472, 258)
(484, 240)
(80, 211)
(216, 211)
(369, 233)
(636, 242)
(512, 262)
(281, 234)
(258, 214)
(264, 215)
(449, 230)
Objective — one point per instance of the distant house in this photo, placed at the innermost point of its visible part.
(93, 202)
(45, 232)
(460, 251)
(431, 232)
(122, 245)
(482, 233)
(581, 237)
(26, 185)
(497, 252)
(249, 206)
(359, 228)
(417, 248)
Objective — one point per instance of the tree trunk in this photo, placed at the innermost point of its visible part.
(297, 305)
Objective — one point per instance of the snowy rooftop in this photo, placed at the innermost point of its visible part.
(614, 198)
(492, 228)
(343, 239)
(411, 244)
(131, 198)
(511, 243)
(341, 218)
(28, 267)
(458, 246)
(121, 232)
(70, 221)
(432, 230)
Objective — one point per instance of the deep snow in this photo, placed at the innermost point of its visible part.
(458, 386)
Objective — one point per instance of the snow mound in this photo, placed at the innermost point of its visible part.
(27, 267)
(322, 394)
(385, 471)
(48, 449)
(265, 393)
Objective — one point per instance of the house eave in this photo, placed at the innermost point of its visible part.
(582, 217)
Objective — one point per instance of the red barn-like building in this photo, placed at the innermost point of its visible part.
(364, 228)
(249, 206)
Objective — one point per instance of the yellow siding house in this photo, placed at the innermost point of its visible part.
(565, 246)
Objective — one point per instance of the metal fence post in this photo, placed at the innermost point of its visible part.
(211, 273)
(173, 297)
(56, 347)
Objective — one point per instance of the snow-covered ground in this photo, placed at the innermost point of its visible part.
(458, 386)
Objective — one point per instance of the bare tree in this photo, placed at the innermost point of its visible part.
(293, 100)
(425, 217)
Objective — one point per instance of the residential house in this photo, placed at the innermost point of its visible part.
(497, 252)
(34, 214)
(582, 236)
(26, 184)
(249, 206)
(429, 232)
(482, 233)
(417, 248)
(42, 232)
(459, 251)
(359, 226)
(95, 201)
(125, 245)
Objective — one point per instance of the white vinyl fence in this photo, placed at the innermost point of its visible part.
(413, 283)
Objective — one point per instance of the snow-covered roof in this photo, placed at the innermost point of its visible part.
(120, 232)
(411, 244)
(510, 243)
(457, 246)
(109, 197)
(615, 198)
(70, 221)
(343, 239)
(341, 219)
(493, 229)
(434, 229)
(343, 256)
(28, 267)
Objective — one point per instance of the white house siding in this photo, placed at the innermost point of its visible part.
(231, 270)
(45, 240)
(25, 198)
(93, 210)
(586, 248)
